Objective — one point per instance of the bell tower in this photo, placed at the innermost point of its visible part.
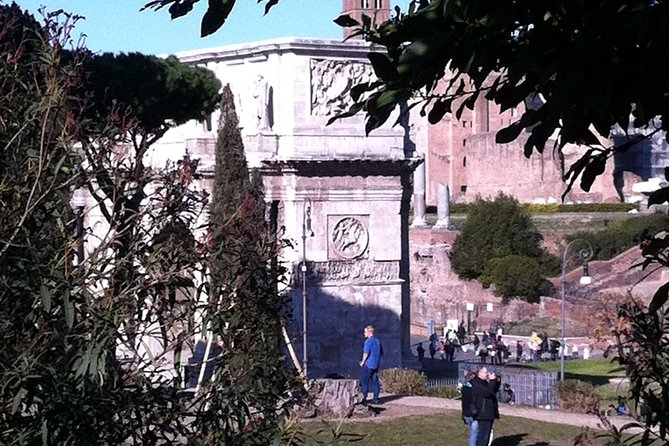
(377, 10)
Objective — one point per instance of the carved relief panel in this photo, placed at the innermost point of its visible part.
(331, 83)
(348, 237)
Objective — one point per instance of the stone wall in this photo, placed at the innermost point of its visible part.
(436, 291)
(462, 153)
(437, 294)
(493, 167)
(335, 321)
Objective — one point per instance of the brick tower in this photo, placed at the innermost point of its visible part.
(377, 10)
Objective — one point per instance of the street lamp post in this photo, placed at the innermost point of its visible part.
(584, 254)
(306, 228)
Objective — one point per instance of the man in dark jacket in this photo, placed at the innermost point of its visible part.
(484, 395)
(468, 408)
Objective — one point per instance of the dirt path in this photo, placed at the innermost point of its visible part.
(394, 406)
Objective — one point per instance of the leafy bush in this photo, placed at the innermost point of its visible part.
(554, 208)
(621, 235)
(577, 396)
(497, 228)
(515, 276)
(403, 381)
(449, 392)
(579, 207)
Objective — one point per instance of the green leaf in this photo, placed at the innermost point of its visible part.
(659, 299)
(346, 21)
(383, 67)
(359, 89)
(353, 110)
(595, 167)
(68, 310)
(18, 399)
(508, 134)
(45, 434)
(378, 118)
(180, 8)
(46, 297)
(439, 109)
(366, 21)
(269, 5)
(216, 15)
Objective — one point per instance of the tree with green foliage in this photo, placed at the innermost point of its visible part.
(499, 245)
(619, 236)
(132, 100)
(515, 275)
(36, 168)
(62, 381)
(67, 377)
(494, 228)
(250, 393)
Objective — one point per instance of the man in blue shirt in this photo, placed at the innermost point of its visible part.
(371, 358)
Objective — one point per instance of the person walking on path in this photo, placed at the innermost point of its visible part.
(421, 352)
(468, 408)
(484, 393)
(371, 359)
(461, 333)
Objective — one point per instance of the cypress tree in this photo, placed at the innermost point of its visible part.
(251, 383)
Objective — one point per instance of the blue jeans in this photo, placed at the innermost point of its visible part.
(484, 432)
(370, 375)
(473, 430)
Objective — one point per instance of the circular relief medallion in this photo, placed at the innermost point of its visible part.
(349, 238)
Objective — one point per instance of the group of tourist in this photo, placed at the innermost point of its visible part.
(490, 345)
(446, 348)
(539, 346)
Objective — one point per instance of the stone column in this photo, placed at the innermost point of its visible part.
(419, 194)
(443, 207)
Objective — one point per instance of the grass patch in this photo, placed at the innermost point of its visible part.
(552, 223)
(583, 367)
(445, 429)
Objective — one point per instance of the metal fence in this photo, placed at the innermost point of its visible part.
(442, 382)
(530, 387)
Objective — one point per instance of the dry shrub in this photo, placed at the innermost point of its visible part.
(450, 392)
(577, 396)
(403, 381)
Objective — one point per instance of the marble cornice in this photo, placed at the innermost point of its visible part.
(333, 167)
(258, 51)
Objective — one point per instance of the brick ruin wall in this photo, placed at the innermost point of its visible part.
(438, 294)
(493, 167)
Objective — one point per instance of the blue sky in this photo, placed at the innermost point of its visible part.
(117, 25)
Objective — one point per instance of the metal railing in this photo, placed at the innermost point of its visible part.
(530, 387)
(442, 382)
